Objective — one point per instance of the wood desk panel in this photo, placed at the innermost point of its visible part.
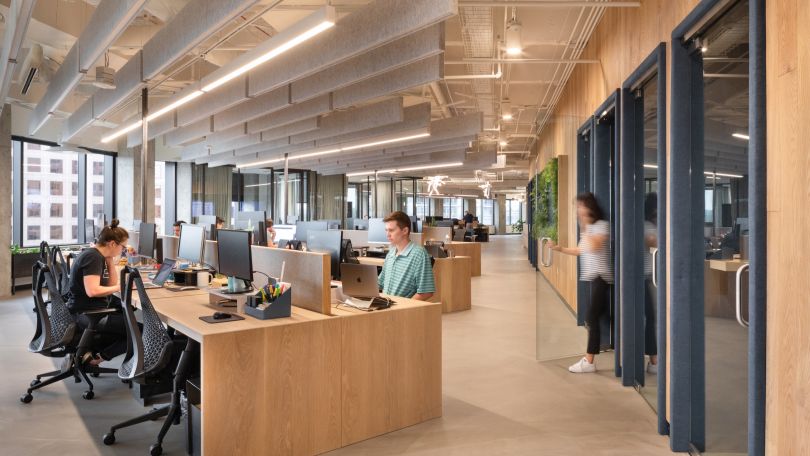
(391, 369)
(470, 249)
(453, 284)
(372, 260)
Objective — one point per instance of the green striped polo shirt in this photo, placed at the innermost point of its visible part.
(408, 273)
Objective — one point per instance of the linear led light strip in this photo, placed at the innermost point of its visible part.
(335, 150)
(410, 168)
(708, 173)
(291, 37)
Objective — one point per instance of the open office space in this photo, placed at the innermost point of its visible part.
(404, 227)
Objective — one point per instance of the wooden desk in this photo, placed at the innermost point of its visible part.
(468, 249)
(453, 284)
(310, 383)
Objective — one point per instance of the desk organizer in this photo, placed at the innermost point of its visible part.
(280, 307)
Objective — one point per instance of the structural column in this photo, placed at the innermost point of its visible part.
(128, 179)
(5, 203)
(500, 217)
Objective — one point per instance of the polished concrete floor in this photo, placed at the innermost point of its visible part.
(498, 398)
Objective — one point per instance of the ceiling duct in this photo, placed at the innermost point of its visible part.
(477, 32)
(30, 68)
(16, 25)
(106, 24)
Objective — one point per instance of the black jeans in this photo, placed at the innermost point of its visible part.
(599, 305)
(650, 339)
(111, 334)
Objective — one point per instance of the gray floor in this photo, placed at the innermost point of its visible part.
(498, 399)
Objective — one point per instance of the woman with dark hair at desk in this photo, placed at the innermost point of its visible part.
(594, 248)
(93, 280)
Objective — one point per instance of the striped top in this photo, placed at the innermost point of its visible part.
(595, 263)
(408, 273)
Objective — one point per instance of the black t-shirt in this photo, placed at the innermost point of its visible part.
(90, 262)
(468, 218)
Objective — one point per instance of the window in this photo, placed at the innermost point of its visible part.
(32, 233)
(453, 208)
(514, 211)
(33, 165)
(33, 187)
(94, 194)
(74, 210)
(485, 211)
(51, 193)
(74, 231)
(56, 166)
(33, 209)
(160, 199)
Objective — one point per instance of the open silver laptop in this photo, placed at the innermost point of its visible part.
(359, 280)
(162, 274)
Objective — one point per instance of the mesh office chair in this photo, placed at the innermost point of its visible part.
(149, 353)
(60, 269)
(57, 336)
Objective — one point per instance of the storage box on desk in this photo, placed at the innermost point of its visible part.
(280, 307)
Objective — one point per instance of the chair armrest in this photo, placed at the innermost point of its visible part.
(99, 312)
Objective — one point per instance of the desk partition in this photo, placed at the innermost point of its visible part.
(308, 272)
(437, 233)
(170, 246)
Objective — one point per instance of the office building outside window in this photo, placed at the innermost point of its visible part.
(160, 196)
(485, 211)
(45, 190)
(514, 211)
(95, 187)
(453, 208)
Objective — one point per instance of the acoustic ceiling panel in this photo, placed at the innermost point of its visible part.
(338, 123)
(212, 103)
(294, 113)
(66, 77)
(109, 20)
(244, 141)
(415, 117)
(302, 126)
(377, 23)
(81, 118)
(190, 133)
(251, 109)
(226, 135)
(127, 80)
(411, 48)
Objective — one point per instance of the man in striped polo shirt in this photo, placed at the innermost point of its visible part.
(407, 271)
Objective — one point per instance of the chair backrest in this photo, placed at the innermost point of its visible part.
(44, 252)
(42, 332)
(60, 269)
(149, 350)
(458, 234)
(436, 251)
(61, 324)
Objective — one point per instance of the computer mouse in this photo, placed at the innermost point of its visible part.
(221, 315)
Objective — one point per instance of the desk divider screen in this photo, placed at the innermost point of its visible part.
(210, 254)
(308, 272)
(170, 246)
(434, 233)
(358, 237)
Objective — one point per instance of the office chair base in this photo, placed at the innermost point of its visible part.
(155, 450)
(26, 398)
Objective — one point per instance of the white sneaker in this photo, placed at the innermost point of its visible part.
(582, 367)
(652, 368)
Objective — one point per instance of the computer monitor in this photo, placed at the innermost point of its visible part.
(211, 232)
(327, 242)
(253, 216)
(301, 228)
(207, 219)
(260, 234)
(332, 224)
(360, 224)
(284, 232)
(89, 231)
(445, 223)
(147, 238)
(233, 250)
(347, 253)
(192, 238)
(376, 231)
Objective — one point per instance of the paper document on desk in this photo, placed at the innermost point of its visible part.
(358, 302)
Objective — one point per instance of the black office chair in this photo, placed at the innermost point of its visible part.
(57, 336)
(149, 353)
(61, 270)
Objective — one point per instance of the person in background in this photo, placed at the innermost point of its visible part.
(406, 271)
(468, 219)
(271, 233)
(220, 223)
(176, 227)
(650, 242)
(594, 248)
(93, 280)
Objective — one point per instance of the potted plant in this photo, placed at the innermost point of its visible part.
(517, 227)
(22, 261)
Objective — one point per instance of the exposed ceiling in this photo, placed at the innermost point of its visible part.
(387, 70)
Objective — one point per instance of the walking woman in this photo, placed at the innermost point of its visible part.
(596, 267)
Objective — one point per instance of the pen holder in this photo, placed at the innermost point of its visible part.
(279, 307)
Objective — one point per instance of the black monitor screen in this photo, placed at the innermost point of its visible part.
(233, 249)
(327, 242)
(301, 229)
(89, 230)
(146, 240)
(191, 243)
(376, 231)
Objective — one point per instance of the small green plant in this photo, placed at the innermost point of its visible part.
(517, 227)
(17, 250)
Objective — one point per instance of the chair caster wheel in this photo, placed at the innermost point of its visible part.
(88, 395)
(109, 439)
(26, 398)
(155, 450)
(96, 374)
(35, 382)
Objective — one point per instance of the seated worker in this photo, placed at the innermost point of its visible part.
(271, 233)
(220, 223)
(176, 227)
(406, 271)
(93, 280)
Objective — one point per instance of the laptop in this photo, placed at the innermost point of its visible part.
(162, 275)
